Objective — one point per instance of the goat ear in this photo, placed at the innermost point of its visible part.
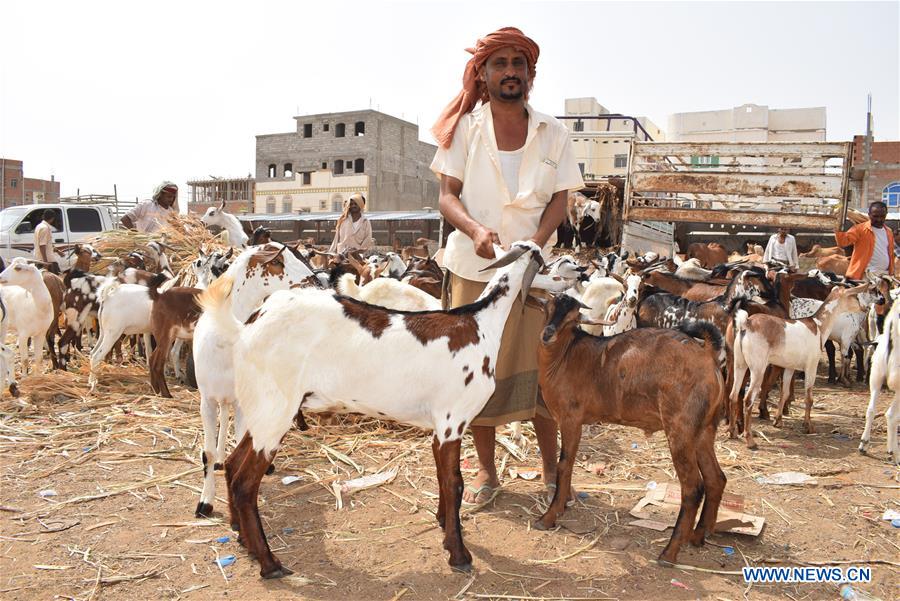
(229, 253)
(595, 322)
(222, 206)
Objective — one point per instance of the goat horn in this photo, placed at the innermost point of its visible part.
(513, 254)
(530, 271)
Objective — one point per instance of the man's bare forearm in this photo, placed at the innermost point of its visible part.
(452, 208)
(551, 218)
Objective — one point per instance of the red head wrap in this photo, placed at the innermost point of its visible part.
(465, 101)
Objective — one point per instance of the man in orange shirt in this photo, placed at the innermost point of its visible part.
(873, 244)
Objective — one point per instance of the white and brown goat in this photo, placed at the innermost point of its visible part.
(795, 344)
(450, 355)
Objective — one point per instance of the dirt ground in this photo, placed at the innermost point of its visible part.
(124, 466)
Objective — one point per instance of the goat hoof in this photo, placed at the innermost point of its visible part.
(204, 510)
(751, 446)
(235, 526)
(14, 390)
(463, 568)
(698, 540)
(218, 466)
(777, 423)
(665, 562)
(271, 469)
(809, 429)
(279, 572)
(862, 449)
(540, 525)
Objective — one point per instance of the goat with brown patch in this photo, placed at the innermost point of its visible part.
(174, 315)
(650, 378)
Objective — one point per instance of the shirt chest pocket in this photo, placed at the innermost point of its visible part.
(544, 182)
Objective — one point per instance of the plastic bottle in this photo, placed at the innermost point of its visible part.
(848, 593)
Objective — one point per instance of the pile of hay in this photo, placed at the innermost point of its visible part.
(184, 234)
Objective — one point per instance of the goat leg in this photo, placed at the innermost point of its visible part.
(686, 467)
(442, 496)
(460, 558)
(570, 431)
(713, 483)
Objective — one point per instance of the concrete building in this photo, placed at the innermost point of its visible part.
(602, 140)
(749, 123)
(877, 178)
(237, 192)
(16, 189)
(319, 191)
(365, 151)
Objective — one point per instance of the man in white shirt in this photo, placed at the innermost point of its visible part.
(505, 171)
(782, 247)
(43, 241)
(150, 215)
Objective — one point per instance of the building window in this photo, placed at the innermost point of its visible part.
(338, 168)
(307, 130)
(891, 195)
(581, 168)
(13, 182)
(273, 171)
(579, 125)
(325, 127)
(704, 161)
(360, 128)
(324, 165)
(337, 203)
(287, 205)
(270, 204)
(621, 160)
(340, 130)
(348, 165)
(323, 204)
(359, 166)
(288, 170)
(307, 178)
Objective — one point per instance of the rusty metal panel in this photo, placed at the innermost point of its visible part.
(742, 184)
(744, 149)
(766, 218)
(795, 184)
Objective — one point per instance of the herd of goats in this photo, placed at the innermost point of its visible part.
(673, 344)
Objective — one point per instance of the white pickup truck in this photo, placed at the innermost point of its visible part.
(74, 222)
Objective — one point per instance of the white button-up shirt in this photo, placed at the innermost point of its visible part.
(149, 216)
(548, 166)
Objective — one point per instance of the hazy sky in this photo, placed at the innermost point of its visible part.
(133, 93)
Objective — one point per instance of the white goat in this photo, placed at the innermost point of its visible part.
(256, 273)
(434, 370)
(236, 237)
(394, 267)
(761, 340)
(388, 292)
(623, 312)
(7, 373)
(124, 310)
(846, 329)
(30, 309)
(885, 370)
(599, 294)
(692, 270)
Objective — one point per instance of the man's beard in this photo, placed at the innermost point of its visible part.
(511, 95)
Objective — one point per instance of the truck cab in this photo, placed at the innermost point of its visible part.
(74, 223)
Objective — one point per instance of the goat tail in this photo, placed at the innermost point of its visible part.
(712, 338)
(216, 303)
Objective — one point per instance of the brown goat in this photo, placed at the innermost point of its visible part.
(174, 315)
(57, 290)
(710, 254)
(817, 252)
(648, 378)
(834, 263)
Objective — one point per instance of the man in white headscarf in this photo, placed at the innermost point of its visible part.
(353, 231)
(150, 215)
